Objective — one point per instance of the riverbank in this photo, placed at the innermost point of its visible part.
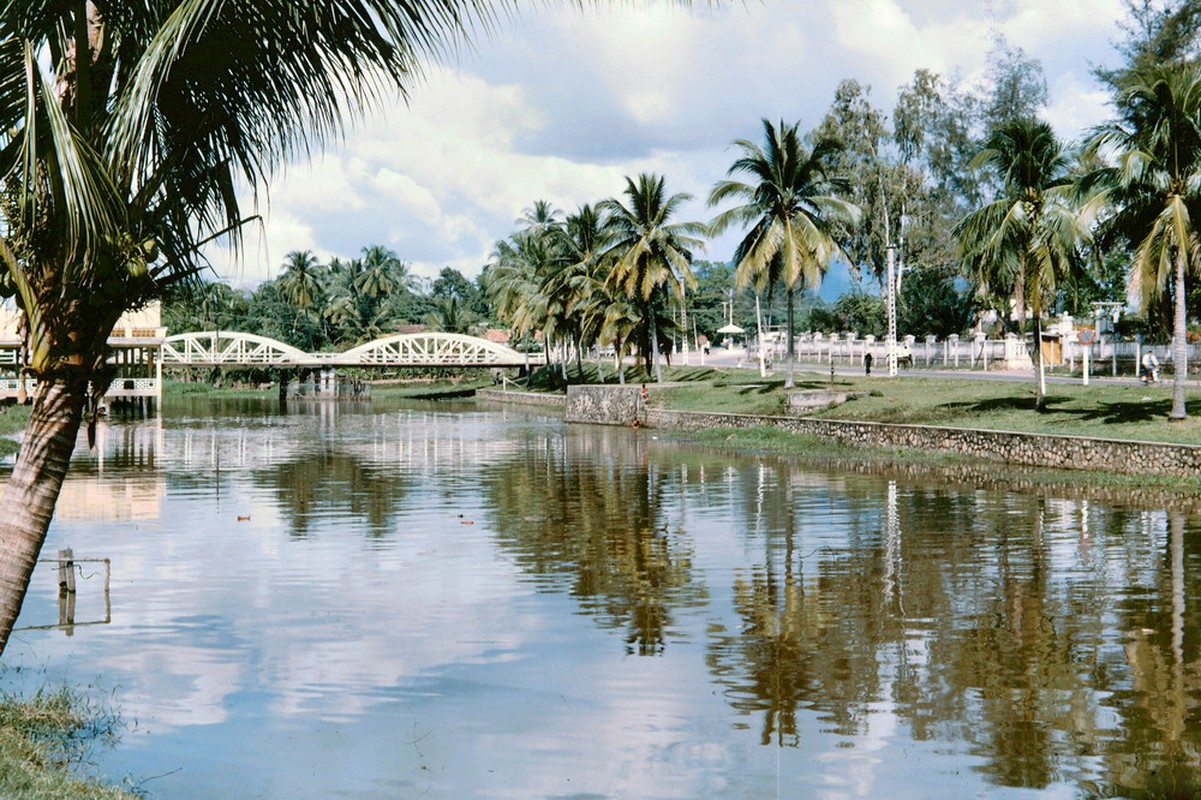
(44, 739)
(1114, 434)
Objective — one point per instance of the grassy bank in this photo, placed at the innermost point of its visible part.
(1114, 411)
(12, 421)
(44, 739)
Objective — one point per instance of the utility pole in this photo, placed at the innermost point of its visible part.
(891, 301)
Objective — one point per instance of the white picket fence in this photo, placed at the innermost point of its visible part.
(1105, 355)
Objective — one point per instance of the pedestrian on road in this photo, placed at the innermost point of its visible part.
(1150, 367)
(867, 363)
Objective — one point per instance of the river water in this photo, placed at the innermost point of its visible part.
(462, 601)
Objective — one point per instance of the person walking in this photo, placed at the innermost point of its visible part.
(1150, 367)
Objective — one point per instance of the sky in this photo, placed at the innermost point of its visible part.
(562, 104)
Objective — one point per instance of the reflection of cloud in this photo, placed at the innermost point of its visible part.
(178, 685)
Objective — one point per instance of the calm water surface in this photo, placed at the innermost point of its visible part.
(458, 602)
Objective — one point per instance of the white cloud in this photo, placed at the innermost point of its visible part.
(561, 105)
(1076, 105)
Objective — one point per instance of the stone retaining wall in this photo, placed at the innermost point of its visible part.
(621, 405)
(521, 398)
(605, 405)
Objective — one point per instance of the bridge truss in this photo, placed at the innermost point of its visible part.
(432, 349)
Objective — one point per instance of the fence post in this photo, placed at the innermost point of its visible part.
(66, 572)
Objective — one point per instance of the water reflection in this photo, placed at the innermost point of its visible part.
(333, 483)
(1054, 641)
(486, 583)
(587, 514)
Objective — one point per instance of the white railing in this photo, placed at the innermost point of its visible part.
(401, 350)
(133, 384)
(1106, 356)
(12, 386)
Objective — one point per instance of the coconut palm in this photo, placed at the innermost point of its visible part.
(381, 273)
(1154, 191)
(651, 257)
(515, 277)
(1026, 241)
(300, 283)
(124, 129)
(573, 278)
(789, 205)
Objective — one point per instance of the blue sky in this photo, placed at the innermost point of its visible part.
(562, 104)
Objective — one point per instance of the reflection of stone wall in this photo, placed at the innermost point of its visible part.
(90, 497)
(618, 405)
(1062, 452)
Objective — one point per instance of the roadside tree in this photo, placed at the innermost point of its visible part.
(789, 205)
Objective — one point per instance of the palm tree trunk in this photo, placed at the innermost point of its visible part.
(655, 347)
(1179, 342)
(791, 382)
(1019, 301)
(27, 503)
(1040, 377)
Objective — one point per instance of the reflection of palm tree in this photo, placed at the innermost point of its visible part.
(335, 482)
(596, 531)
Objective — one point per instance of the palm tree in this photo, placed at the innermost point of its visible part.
(581, 281)
(515, 277)
(124, 129)
(569, 277)
(789, 206)
(380, 273)
(450, 317)
(300, 283)
(1025, 242)
(1154, 189)
(651, 257)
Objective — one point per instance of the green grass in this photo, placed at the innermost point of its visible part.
(1115, 411)
(43, 742)
(12, 421)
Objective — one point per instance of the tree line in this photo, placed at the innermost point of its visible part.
(975, 199)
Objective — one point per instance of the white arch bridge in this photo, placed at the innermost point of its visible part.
(432, 349)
